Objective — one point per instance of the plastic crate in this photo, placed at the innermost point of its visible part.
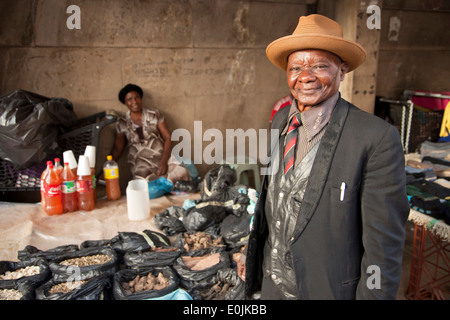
(425, 126)
(85, 132)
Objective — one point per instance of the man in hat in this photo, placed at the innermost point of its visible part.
(330, 223)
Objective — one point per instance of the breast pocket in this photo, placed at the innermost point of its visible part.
(343, 193)
(344, 206)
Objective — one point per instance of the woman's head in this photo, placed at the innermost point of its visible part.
(128, 88)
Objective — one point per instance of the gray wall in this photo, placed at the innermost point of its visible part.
(204, 59)
(417, 57)
(195, 59)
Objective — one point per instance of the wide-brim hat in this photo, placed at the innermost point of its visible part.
(316, 32)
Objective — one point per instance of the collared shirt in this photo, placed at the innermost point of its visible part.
(314, 123)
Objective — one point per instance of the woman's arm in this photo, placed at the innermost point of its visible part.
(165, 134)
(119, 145)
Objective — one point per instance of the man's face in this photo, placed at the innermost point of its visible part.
(314, 76)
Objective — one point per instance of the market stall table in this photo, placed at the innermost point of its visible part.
(23, 224)
(429, 278)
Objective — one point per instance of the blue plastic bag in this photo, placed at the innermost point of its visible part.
(189, 166)
(159, 187)
(178, 294)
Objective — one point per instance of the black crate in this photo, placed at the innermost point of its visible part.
(425, 126)
(13, 182)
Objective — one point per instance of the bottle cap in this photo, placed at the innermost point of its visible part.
(109, 157)
(69, 157)
(90, 153)
(83, 166)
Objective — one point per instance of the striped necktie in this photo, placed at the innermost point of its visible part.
(289, 149)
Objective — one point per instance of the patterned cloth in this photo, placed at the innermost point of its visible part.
(145, 144)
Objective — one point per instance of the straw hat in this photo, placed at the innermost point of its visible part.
(316, 32)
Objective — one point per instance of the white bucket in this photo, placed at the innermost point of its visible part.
(138, 200)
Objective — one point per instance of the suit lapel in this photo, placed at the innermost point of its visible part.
(321, 166)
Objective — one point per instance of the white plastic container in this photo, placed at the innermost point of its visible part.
(138, 200)
(69, 157)
(90, 153)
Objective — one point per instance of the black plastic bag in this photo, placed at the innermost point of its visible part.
(138, 241)
(191, 278)
(225, 285)
(196, 288)
(95, 243)
(26, 288)
(30, 125)
(236, 194)
(241, 200)
(170, 221)
(186, 186)
(95, 288)
(33, 280)
(203, 216)
(235, 229)
(71, 272)
(126, 275)
(230, 276)
(30, 252)
(217, 181)
(139, 260)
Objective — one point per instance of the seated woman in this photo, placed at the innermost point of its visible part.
(148, 137)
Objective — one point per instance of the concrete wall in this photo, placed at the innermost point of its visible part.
(359, 86)
(195, 59)
(416, 54)
(204, 60)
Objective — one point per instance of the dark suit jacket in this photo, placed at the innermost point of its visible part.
(339, 247)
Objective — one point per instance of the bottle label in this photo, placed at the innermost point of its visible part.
(68, 187)
(84, 186)
(52, 190)
(111, 173)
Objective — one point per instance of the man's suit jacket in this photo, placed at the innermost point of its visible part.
(351, 248)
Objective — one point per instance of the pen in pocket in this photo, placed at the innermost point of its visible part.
(343, 186)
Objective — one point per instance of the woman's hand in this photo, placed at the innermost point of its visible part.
(162, 168)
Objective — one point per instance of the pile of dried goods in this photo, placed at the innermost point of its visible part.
(65, 287)
(200, 240)
(10, 294)
(19, 273)
(86, 260)
(218, 291)
(201, 262)
(145, 283)
(237, 255)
